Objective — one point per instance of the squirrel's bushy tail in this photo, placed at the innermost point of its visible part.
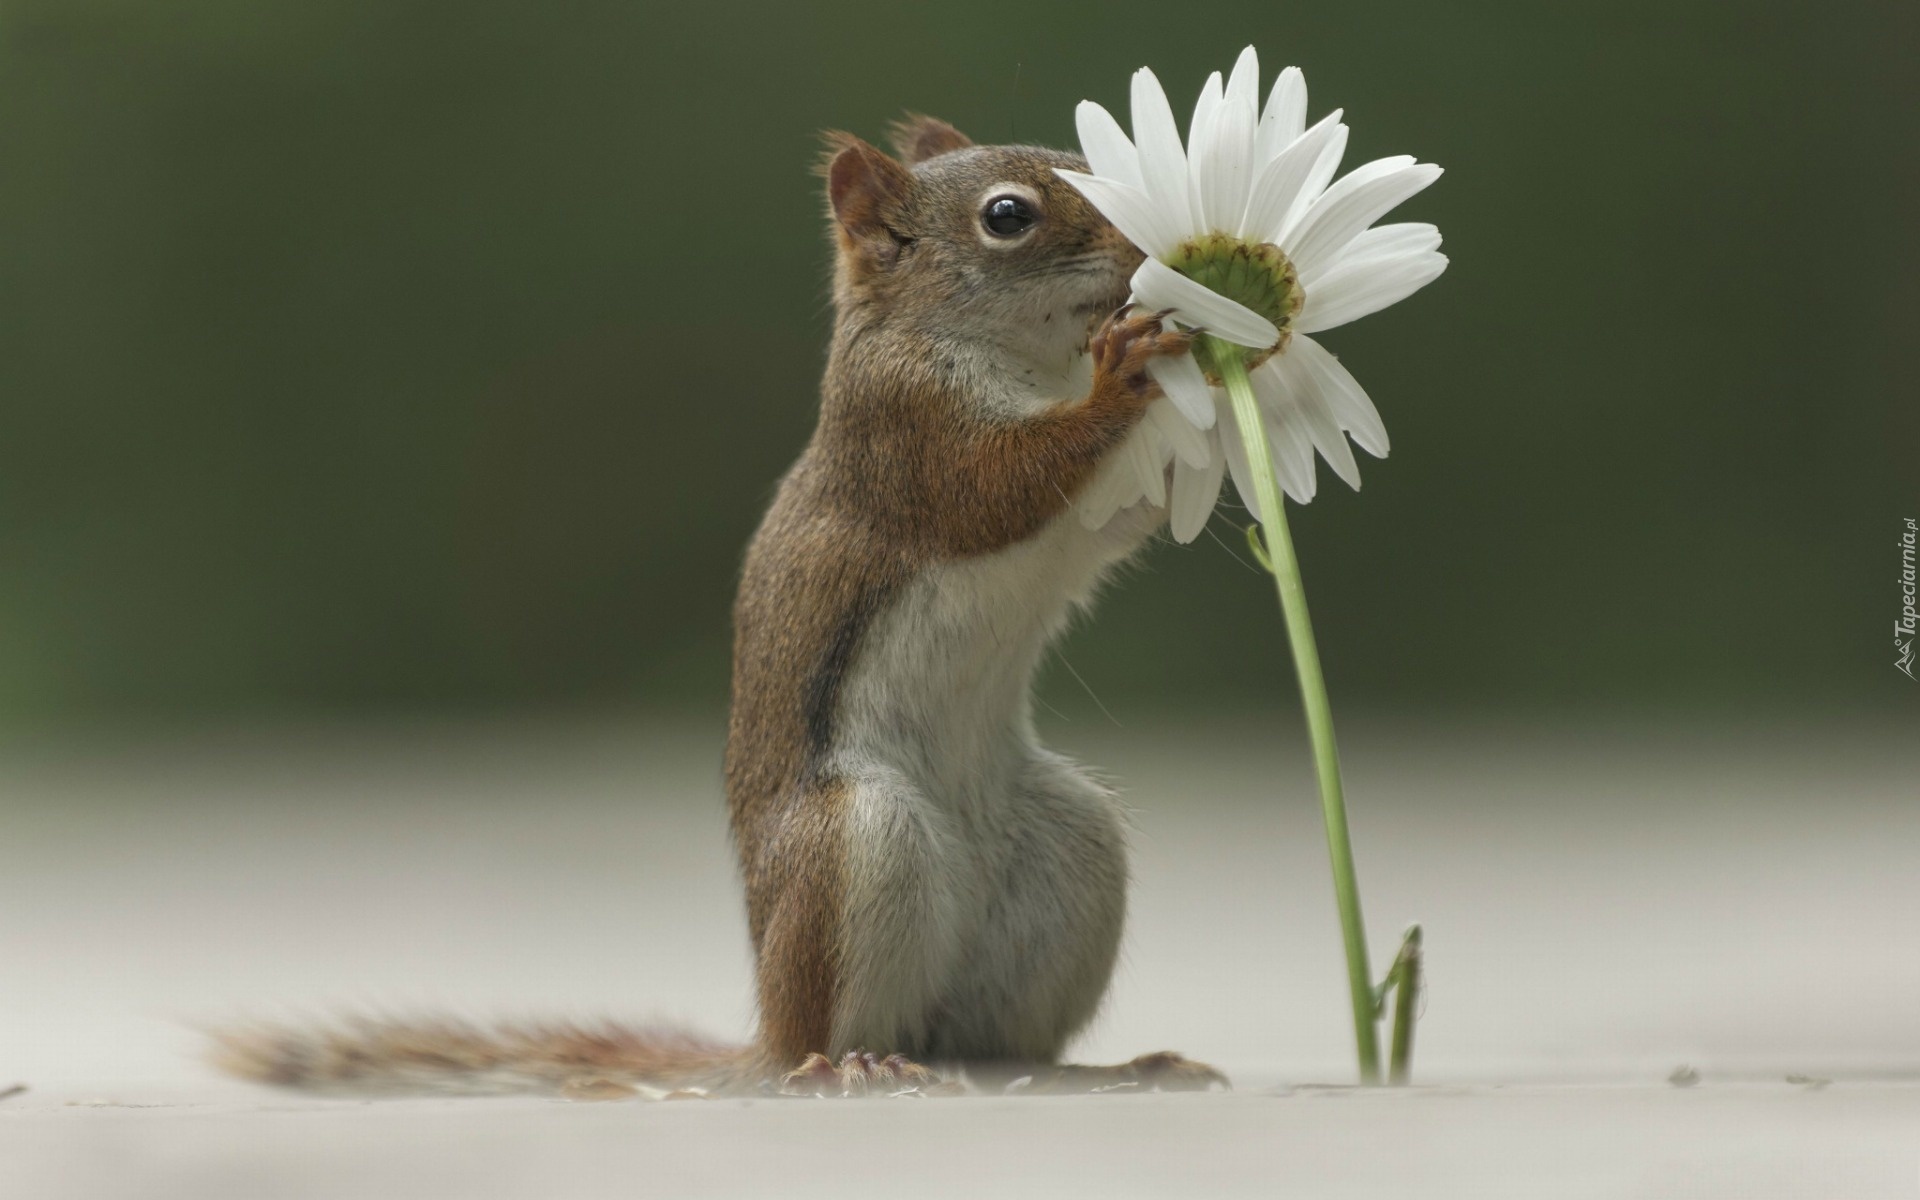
(364, 1056)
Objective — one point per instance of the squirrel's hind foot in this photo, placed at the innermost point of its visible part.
(1161, 1071)
(862, 1074)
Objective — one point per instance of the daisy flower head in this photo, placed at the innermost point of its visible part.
(1248, 236)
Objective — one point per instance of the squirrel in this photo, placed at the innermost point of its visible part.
(927, 888)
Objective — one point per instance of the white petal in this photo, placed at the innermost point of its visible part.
(1129, 209)
(1318, 176)
(1237, 466)
(1186, 386)
(1343, 394)
(1101, 497)
(1377, 168)
(1093, 498)
(1315, 416)
(1163, 160)
(1279, 186)
(1285, 116)
(1243, 86)
(1348, 207)
(1287, 440)
(1195, 491)
(1199, 131)
(1149, 459)
(1407, 237)
(1223, 165)
(1156, 285)
(1187, 444)
(1355, 287)
(1122, 480)
(1236, 456)
(1203, 109)
(1109, 151)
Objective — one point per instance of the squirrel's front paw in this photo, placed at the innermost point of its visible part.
(1126, 342)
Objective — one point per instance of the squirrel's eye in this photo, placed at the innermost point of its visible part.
(1007, 216)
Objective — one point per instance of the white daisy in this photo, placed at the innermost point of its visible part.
(1249, 235)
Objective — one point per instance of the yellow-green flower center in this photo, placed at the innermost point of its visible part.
(1258, 276)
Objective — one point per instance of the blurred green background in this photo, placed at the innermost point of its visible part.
(374, 357)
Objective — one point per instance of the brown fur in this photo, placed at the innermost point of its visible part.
(377, 1055)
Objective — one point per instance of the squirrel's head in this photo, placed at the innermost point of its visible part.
(971, 239)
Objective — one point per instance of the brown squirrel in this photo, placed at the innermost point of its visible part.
(925, 883)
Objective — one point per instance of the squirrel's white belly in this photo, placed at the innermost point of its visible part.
(986, 876)
(939, 687)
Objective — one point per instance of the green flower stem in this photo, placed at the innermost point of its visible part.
(1313, 694)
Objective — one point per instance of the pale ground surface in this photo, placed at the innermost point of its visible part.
(1602, 905)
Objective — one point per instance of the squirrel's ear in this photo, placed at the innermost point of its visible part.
(917, 137)
(868, 192)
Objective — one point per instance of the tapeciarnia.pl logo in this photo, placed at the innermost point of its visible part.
(1903, 627)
